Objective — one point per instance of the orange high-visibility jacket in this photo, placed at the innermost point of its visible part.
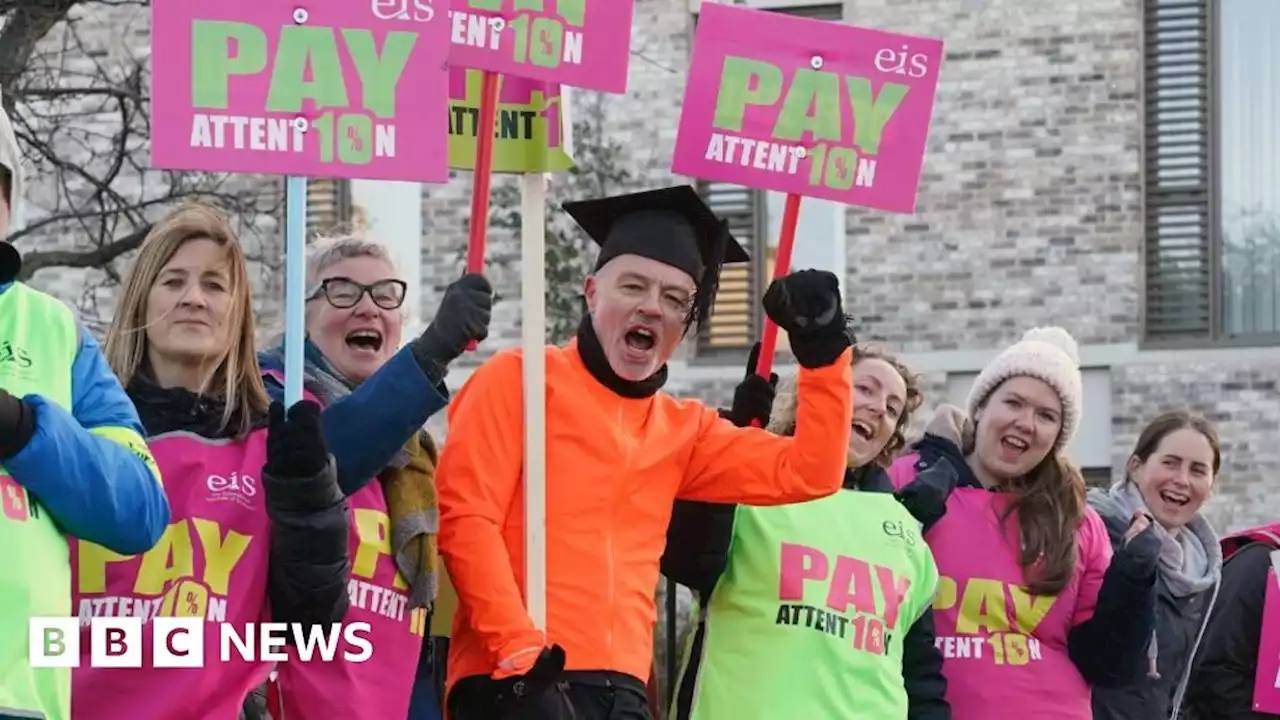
(614, 467)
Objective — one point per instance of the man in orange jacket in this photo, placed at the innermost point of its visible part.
(618, 453)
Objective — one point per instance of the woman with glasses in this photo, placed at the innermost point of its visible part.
(377, 397)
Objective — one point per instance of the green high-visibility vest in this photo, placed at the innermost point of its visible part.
(807, 621)
(39, 339)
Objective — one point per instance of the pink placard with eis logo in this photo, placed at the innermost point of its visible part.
(354, 89)
(811, 107)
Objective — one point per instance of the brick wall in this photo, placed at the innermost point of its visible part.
(1030, 199)
(1241, 398)
(1030, 213)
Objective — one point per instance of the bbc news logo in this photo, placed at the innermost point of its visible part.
(178, 642)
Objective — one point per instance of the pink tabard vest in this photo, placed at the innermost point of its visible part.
(1004, 651)
(211, 563)
(380, 687)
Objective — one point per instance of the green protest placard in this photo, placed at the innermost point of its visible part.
(528, 135)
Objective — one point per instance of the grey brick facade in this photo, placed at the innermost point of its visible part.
(1030, 212)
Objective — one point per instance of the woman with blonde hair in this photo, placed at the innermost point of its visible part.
(259, 523)
(1033, 610)
(820, 609)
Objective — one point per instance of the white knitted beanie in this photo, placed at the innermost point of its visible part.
(1049, 354)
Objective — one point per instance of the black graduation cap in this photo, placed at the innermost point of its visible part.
(671, 225)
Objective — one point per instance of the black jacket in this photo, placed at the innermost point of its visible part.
(696, 555)
(309, 556)
(1177, 625)
(1108, 648)
(1222, 677)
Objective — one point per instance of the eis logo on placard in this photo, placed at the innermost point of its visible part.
(420, 11)
(177, 642)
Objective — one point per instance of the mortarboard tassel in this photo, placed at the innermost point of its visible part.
(704, 297)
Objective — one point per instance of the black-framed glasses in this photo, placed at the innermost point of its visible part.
(344, 293)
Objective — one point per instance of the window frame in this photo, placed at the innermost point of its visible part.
(757, 249)
(758, 206)
(334, 214)
(1206, 200)
(1096, 477)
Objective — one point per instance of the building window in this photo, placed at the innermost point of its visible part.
(328, 205)
(735, 319)
(1212, 95)
(754, 217)
(1097, 477)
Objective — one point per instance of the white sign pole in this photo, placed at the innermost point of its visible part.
(533, 281)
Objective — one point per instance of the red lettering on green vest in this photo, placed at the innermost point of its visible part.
(849, 585)
(799, 563)
(13, 497)
(894, 589)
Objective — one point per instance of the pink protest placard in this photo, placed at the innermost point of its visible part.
(1266, 683)
(328, 89)
(582, 43)
(810, 107)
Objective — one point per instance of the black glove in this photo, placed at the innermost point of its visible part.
(17, 424)
(511, 693)
(295, 447)
(1139, 557)
(753, 398)
(463, 316)
(926, 496)
(807, 305)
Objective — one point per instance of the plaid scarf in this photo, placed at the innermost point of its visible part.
(408, 482)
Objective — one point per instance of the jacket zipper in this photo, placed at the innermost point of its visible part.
(612, 571)
(612, 594)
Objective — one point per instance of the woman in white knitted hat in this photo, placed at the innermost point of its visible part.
(1032, 610)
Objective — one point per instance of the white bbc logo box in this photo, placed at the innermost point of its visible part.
(116, 642)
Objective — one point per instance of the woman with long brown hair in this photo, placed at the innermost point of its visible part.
(1033, 609)
(1170, 474)
(259, 524)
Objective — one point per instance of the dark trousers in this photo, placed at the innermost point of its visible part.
(580, 695)
(428, 685)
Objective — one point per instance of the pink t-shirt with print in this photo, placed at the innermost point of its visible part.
(1005, 651)
(211, 562)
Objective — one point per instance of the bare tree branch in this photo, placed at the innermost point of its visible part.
(26, 23)
(76, 83)
(97, 257)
